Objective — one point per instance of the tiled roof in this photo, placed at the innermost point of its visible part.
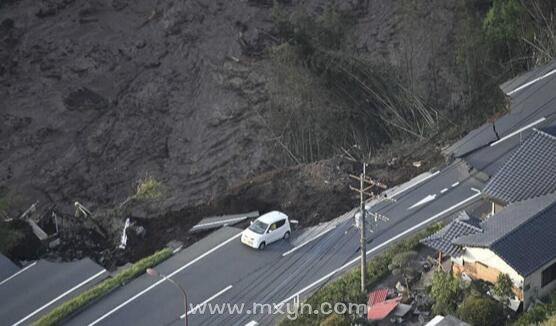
(522, 234)
(462, 225)
(377, 296)
(382, 309)
(551, 130)
(528, 173)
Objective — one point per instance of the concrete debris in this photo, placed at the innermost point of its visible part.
(81, 210)
(123, 241)
(29, 211)
(54, 243)
(223, 220)
(37, 230)
(140, 231)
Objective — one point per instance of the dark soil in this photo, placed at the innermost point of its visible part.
(310, 193)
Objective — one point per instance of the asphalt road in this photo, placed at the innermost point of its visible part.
(41, 286)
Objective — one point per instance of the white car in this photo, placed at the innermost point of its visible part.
(268, 228)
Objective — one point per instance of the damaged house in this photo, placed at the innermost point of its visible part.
(518, 237)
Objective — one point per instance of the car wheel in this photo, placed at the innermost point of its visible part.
(262, 245)
(287, 235)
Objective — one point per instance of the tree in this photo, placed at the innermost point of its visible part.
(445, 290)
(504, 287)
(402, 264)
(505, 25)
(480, 311)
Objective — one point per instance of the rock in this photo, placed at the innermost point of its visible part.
(175, 245)
(45, 12)
(140, 231)
(84, 99)
(54, 243)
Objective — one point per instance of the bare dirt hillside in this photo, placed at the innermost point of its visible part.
(94, 95)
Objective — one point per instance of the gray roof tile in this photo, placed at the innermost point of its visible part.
(522, 234)
(528, 173)
(442, 240)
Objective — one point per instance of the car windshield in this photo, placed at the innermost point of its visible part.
(258, 227)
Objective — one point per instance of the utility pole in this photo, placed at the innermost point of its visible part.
(365, 184)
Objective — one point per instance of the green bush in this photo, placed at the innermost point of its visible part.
(148, 188)
(69, 307)
(504, 287)
(479, 311)
(550, 322)
(539, 313)
(445, 291)
(346, 289)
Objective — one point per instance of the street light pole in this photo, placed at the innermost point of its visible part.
(155, 273)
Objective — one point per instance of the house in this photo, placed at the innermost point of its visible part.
(530, 172)
(518, 241)
(518, 237)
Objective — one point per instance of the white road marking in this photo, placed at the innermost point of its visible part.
(553, 71)
(192, 311)
(430, 219)
(101, 318)
(443, 190)
(59, 297)
(455, 184)
(220, 222)
(518, 131)
(413, 185)
(252, 323)
(177, 249)
(307, 241)
(476, 190)
(425, 200)
(18, 272)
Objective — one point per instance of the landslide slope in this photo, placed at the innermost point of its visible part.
(97, 94)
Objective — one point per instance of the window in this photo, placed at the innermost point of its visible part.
(548, 275)
(258, 227)
(280, 223)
